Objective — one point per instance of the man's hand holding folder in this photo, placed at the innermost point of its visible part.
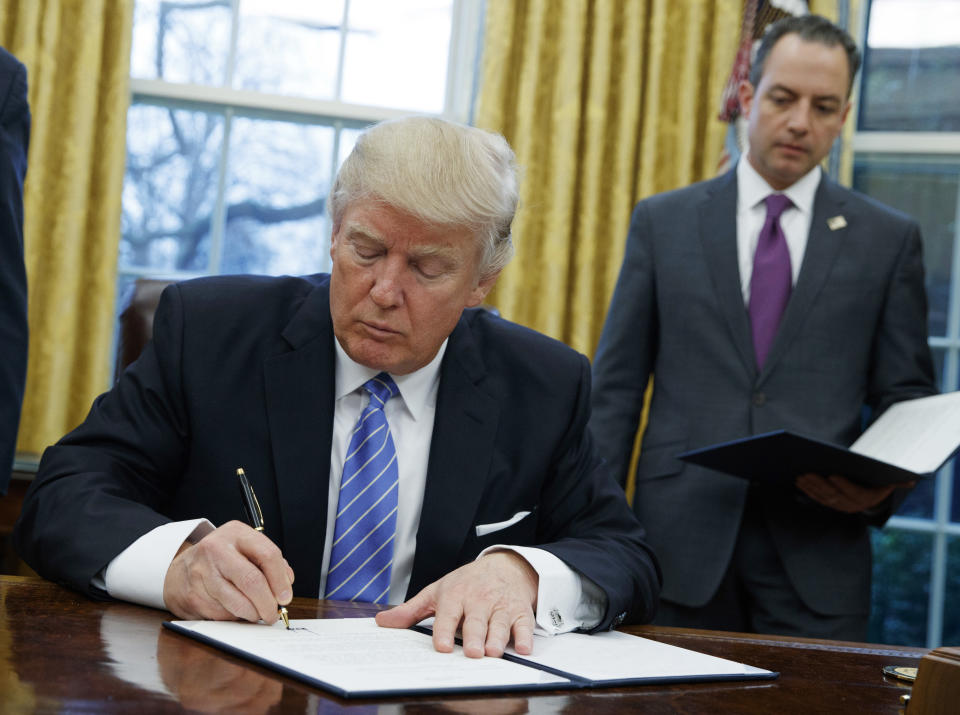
(836, 492)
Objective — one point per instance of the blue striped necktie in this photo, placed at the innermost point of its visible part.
(367, 507)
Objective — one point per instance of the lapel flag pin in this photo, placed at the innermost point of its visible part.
(836, 222)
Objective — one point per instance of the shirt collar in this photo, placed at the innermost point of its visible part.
(418, 389)
(753, 188)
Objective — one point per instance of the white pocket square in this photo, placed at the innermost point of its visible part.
(484, 529)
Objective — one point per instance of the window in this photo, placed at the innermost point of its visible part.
(907, 155)
(242, 110)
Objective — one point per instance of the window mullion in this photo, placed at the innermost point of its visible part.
(219, 216)
(234, 39)
(344, 24)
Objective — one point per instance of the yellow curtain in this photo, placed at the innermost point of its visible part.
(77, 54)
(605, 102)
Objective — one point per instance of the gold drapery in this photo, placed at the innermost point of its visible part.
(77, 54)
(604, 102)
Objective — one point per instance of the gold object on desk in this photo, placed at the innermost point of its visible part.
(900, 672)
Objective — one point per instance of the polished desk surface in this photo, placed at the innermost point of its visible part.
(61, 652)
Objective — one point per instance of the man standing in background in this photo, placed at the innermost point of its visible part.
(769, 298)
(14, 137)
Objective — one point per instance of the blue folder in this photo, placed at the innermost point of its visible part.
(781, 456)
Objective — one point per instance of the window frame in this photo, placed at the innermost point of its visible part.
(945, 144)
(467, 21)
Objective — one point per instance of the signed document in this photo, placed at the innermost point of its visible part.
(909, 441)
(353, 657)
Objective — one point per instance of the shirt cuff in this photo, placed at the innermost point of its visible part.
(137, 573)
(566, 599)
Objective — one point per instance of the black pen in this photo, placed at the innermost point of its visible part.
(251, 510)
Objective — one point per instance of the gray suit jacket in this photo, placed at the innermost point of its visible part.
(853, 336)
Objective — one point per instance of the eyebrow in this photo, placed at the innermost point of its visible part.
(355, 230)
(817, 98)
(426, 250)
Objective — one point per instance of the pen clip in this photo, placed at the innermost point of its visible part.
(251, 507)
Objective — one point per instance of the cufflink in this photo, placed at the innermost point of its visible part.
(556, 618)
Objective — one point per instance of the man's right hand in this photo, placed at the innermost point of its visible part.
(234, 572)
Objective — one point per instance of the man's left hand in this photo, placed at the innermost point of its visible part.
(836, 492)
(489, 599)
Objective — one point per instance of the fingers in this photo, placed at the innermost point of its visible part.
(490, 601)
(823, 491)
(446, 623)
(858, 497)
(409, 613)
(502, 627)
(523, 634)
(841, 494)
(270, 564)
(233, 572)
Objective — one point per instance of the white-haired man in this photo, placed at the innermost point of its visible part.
(496, 516)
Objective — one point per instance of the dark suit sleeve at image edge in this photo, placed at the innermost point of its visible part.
(14, 140)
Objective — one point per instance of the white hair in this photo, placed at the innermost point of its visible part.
(439, 171)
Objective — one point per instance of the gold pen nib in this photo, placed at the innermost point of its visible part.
(284, 616)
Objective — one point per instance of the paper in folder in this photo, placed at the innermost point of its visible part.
(910, 441)
(355, 658)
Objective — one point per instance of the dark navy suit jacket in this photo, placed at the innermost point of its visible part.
(14, 137)
(241, 373)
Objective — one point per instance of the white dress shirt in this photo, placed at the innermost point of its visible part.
(566, 599)
(752, 189)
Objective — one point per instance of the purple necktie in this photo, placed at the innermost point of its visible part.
(771, 281)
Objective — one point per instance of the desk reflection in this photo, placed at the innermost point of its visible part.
(210, 683)
(194, 675)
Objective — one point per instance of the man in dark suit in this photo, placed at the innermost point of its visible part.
(14, 138)
(485, 430)
(688, 310)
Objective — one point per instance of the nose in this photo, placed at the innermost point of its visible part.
(387, 288)
(798, 121)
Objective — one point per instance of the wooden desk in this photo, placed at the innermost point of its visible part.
(24, 469)
(60, 652)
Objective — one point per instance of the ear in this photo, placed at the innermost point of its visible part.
(480, 291)
(745, 95)
(333, 242)
(846, 112)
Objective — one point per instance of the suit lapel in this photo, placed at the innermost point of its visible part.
(460, 453)
(299, 388)
(718, 235)
(823, 245)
